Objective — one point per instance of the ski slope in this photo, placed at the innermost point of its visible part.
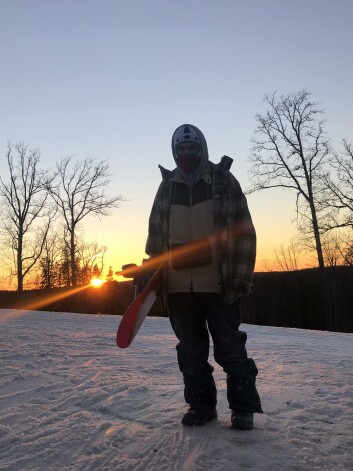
(71, 400)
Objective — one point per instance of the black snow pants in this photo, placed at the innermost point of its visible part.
(193, 316)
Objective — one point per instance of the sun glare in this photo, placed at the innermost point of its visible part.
(97, 282)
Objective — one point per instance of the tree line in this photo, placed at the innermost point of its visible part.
(41, 216)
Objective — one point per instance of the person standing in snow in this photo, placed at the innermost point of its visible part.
(200, 223)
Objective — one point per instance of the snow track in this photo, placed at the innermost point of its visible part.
(71, 400)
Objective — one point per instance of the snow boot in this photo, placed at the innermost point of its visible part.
(242, 420)
(198, 416)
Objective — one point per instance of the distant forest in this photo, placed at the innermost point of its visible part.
(283, 299)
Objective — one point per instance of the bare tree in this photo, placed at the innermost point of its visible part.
(55, 267)
(348, 253)
(50, 262)
(287, 258)
(338, 248)
(24, 201)
(79, 190)
(338, 184)
(290, 151)
(91, 260)
(333, 247)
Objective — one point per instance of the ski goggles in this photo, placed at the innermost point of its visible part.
(187, 148)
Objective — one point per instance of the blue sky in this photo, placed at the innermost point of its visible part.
(113, 79)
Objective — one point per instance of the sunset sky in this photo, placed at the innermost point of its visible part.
(113, 79)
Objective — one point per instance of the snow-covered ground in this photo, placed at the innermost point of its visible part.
(71, 400)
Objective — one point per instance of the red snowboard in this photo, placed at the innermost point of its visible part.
(137, 311)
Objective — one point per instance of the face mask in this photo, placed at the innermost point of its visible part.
(187, 156)
(188, 163)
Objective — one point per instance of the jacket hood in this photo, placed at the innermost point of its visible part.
(189, 132)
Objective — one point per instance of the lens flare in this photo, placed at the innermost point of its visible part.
(97, 282)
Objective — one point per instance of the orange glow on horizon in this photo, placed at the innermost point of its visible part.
(97, 282)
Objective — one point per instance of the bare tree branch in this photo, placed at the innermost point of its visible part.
(339, 188)
(290, 149)
(78, 189)
(24, 202)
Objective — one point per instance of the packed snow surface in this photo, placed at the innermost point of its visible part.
(71, 400)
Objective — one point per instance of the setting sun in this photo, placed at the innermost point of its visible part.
(97, 282)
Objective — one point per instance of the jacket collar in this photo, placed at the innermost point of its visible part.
(177, 176)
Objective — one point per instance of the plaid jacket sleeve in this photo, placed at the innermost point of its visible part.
(154, 244)
(241, 238)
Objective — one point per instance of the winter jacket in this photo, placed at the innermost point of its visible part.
(192, 263)
(234, 237)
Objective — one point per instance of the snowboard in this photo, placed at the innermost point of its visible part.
(140, 306)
